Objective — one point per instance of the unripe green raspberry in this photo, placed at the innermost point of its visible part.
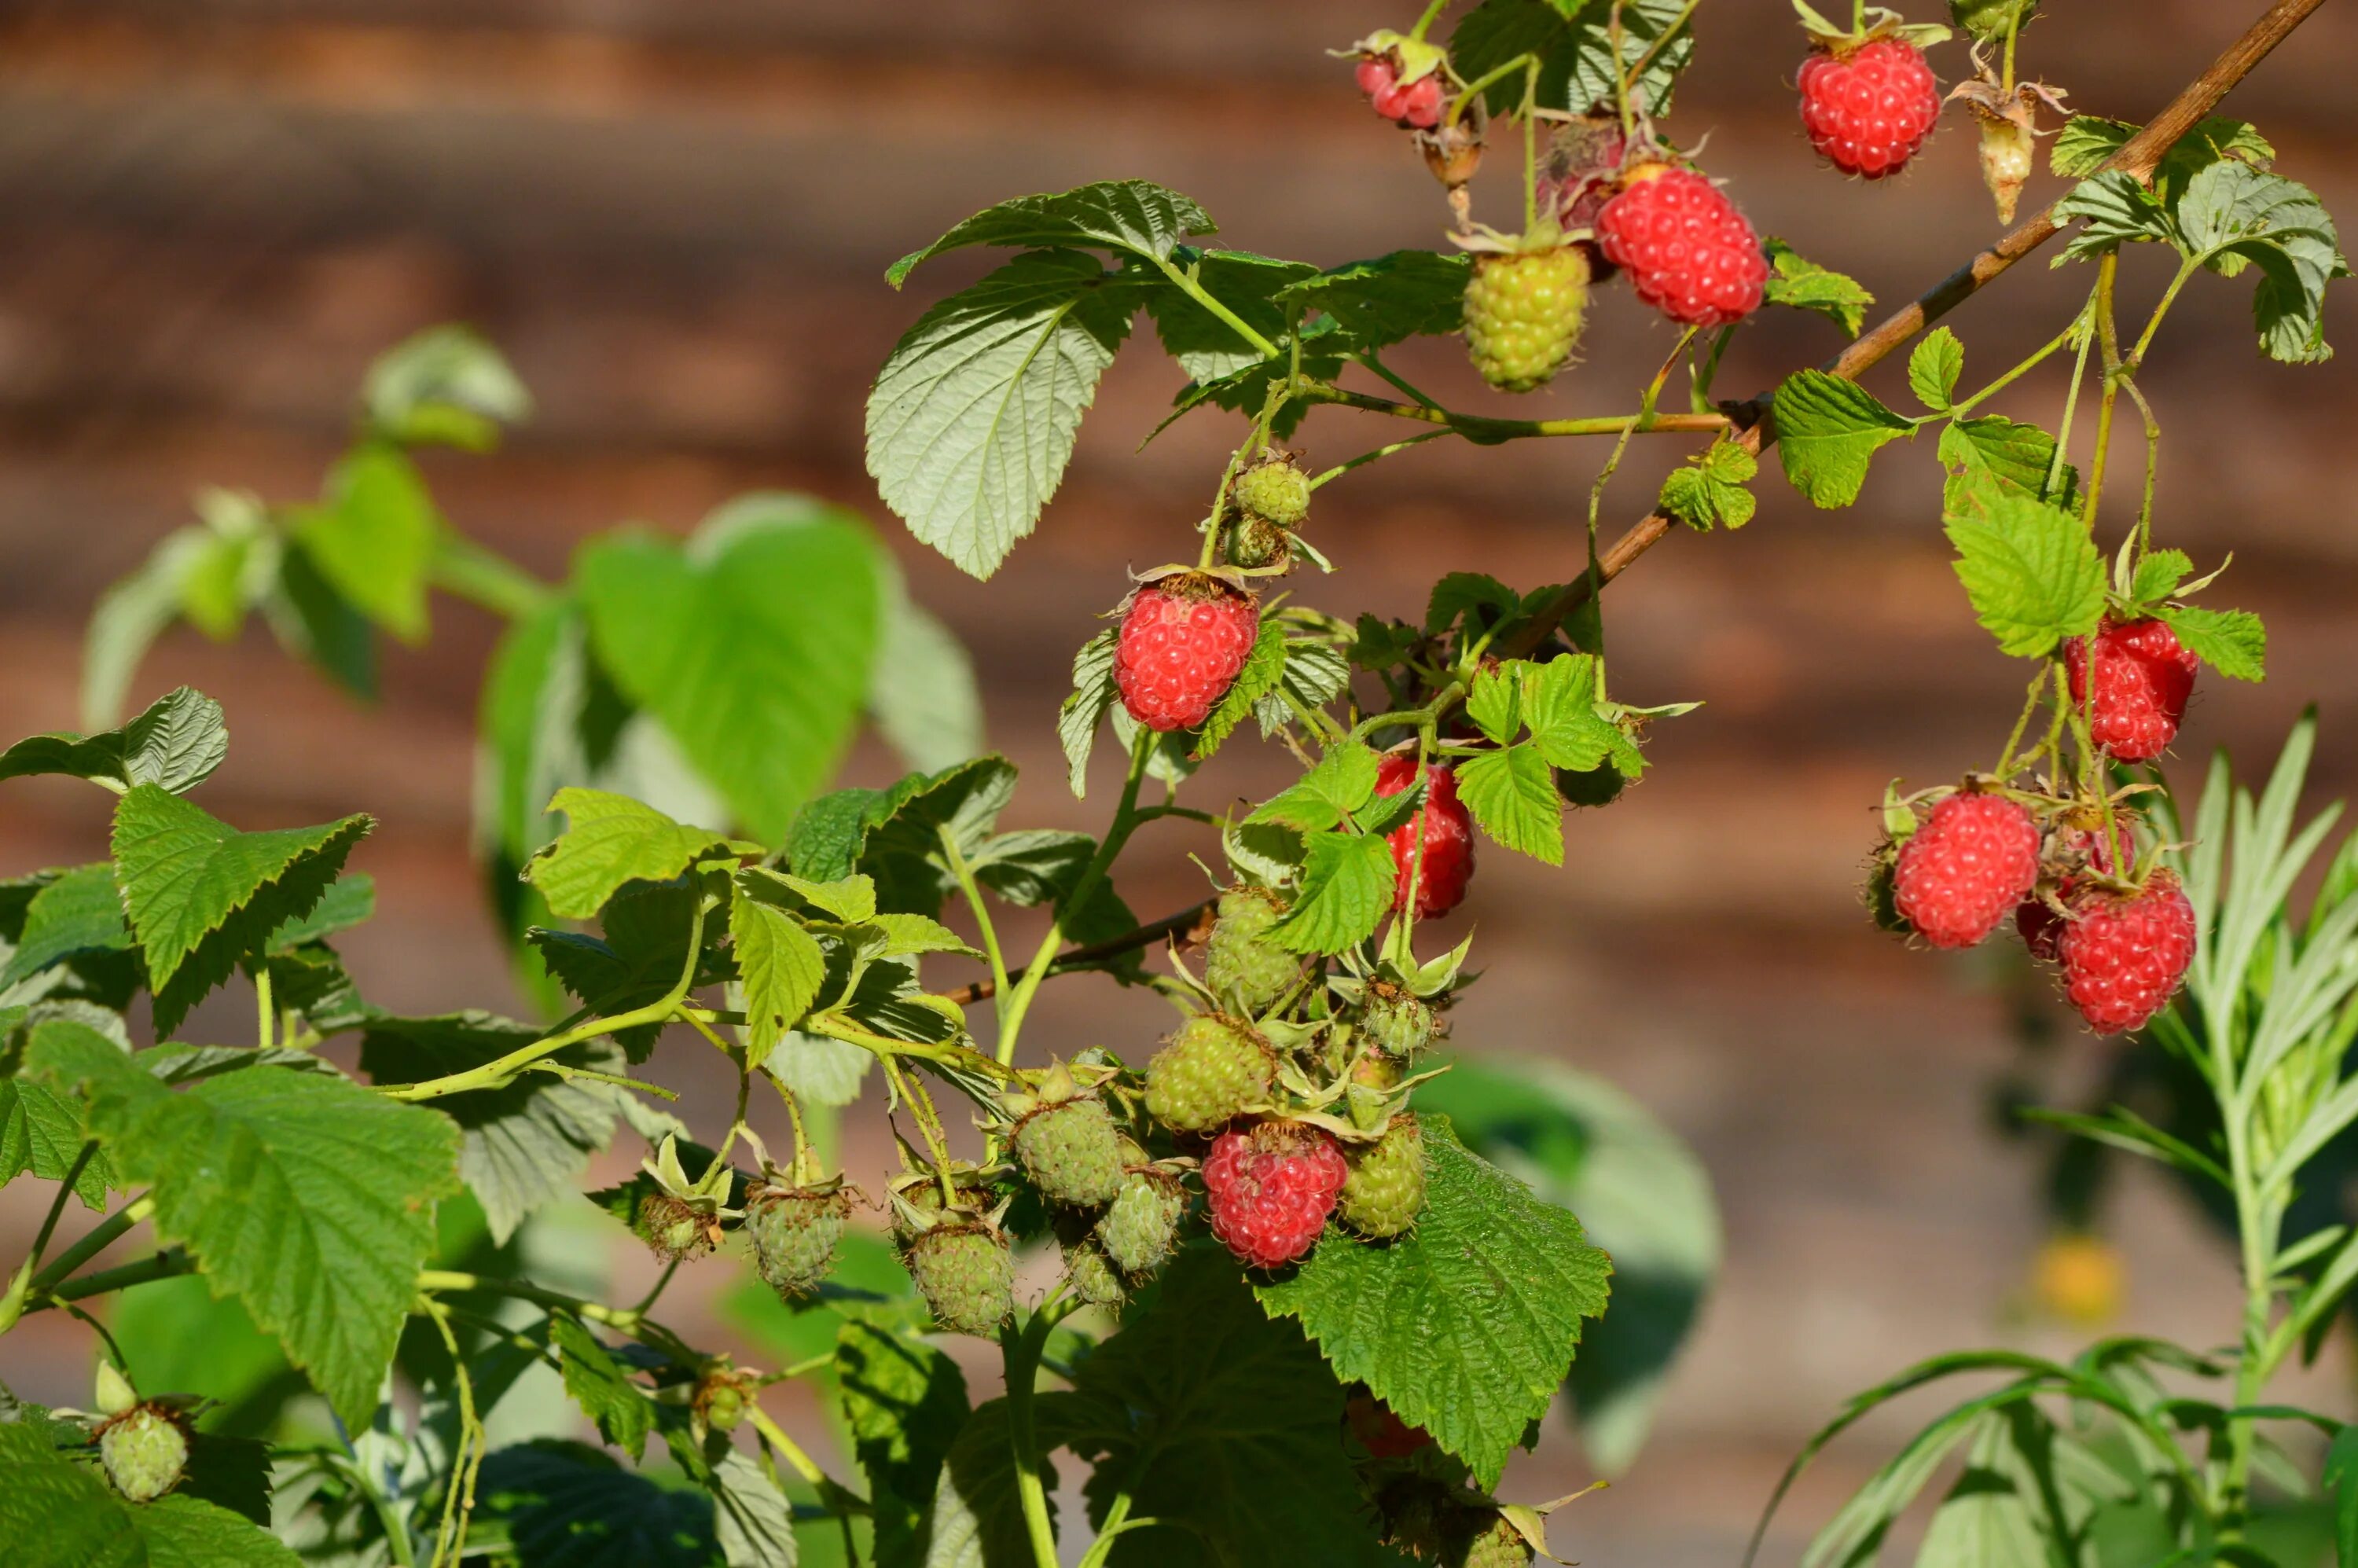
(1399, 1023)
(1240, 963)
(145, 1449)
(723, 1395)
(1213, 1070)
(1384, 1192)
(1092, 1277)
(1138, 1227)
(1276, 491)
(672, 1228)
(964, 1275)
(1522, 314)
(1257, 542)
(1070, 1150)
(1500, 1545)
(794, 1231)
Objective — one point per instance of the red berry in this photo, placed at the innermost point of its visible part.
(1689, 252)
(1381, 1431)
(1375, 74)
(1867, 111)
(1269, 1188)
(2124, 955)
(1182, 644)
(2142, 678)
(1975, 857)
(1448, 833)
(1421, 103)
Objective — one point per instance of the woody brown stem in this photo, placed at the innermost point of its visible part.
(2138, 157)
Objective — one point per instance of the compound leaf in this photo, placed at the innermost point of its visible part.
(1466, 1326)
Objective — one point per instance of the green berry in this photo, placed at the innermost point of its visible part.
(1092, 1276)
(1275, 492)
(672, 1227)
(1138, 1227)
(143, 1450)
(1071, 1152)
(1213, 1069)
(723, 1395)
(1401, 1023)
(1500, 1545)
(1522, 314)
(794, 1231)
(1384, 1192)
(1240, 963)
(966, 1276)
(1257, 542)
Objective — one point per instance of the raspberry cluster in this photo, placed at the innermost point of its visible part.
(1416, 104)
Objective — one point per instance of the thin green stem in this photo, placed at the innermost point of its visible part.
(1021, 1350)
(1488, 79)
(929, 1128)
(102, 1236)
(82, 1159)
(450, 1534)
(1485, 431)
(2108, 341)
(2013, 26)
(1620, 77)
(1663, 39)
(466, 569)
(2070, 401)
(1019, 1004)
(772, 1433)
(1967, 405)
(166, 1265)
(591, 1074)
(267, 1014)
(1424, 23)
(1530, 146)
(2152, 464)
(2007, 764)
(1203, 296)
(983, 921)
(493, 1074)
(2186, 270)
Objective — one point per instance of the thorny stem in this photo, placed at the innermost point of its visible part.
(493, 1074)
(1011, 1023)
(1531, 145)
(2012, 26)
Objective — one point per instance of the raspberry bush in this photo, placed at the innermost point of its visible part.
(1291, 1277)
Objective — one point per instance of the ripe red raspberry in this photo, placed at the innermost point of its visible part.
(1689, 252)
(1381, 1431)
(1869, 110)
(1416, 103)
(1448, 833)
(1269, 1188)
(1975, 857)
(1182, 644)
(2142, 678)
(2124, 955)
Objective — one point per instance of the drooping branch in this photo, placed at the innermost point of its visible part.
(2139, 157)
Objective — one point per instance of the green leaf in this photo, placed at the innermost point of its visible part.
(911, 936)
(1134, 216)
(202, 895)
(1206, 346)
(1083, 713)
(1995, 452)
(921, 691)
(317, 624)
(444, 385)
(1802, 284)
(176, 1334)
(80, 911)
(601, 1385)
(2118, 212)
(612, 839)
(974, 415)
(523, 1145)
(129, 617)
(55, 1512)
(1933, 368)
(1393, 297)
(2087, 142)
(2031, 572)
(752, 645)
(903, 1401)
(1512, 797)
(2002, 1509)
(750, 1517)
(1828, 429)
(373, 537)
(565, 1505)
(978, 1518)
(1466, 1326)
(1709, 492)
(1560, 705)
(1496, 703)
(1264, 667)
(2233, 214)
(1220, 1424)
(2232, 641)
(2158, 575)
(1347, 885)
(308, 1197)
(349, 901)
(782, 969)
(1641, 1194)
(1343, 782)
(41, 1131)
(175, 745)
(1316, 673)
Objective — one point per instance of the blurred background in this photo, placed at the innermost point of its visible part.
(675, 219)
